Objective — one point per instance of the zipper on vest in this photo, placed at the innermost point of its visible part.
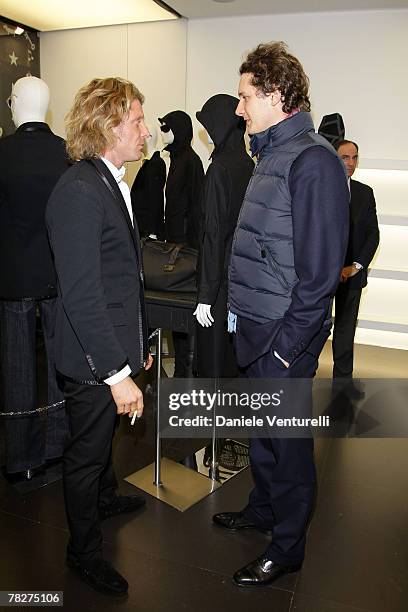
(265, 254)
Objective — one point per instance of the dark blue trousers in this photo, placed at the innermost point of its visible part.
(283, 471)
(33, 438)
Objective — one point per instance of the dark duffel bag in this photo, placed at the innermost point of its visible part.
(169, 266)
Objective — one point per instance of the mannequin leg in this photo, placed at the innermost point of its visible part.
(183, 354)
(25, 440)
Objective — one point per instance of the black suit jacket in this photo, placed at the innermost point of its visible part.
(101, 324)
(31, 162)
(364, 235)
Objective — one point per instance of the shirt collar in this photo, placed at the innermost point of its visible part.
(118, 173)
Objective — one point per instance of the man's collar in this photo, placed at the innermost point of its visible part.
(291, 127)
(118, 173)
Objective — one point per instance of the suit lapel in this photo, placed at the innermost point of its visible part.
(107, 178)
(354, 204)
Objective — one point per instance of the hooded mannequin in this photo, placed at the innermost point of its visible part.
(224, 189)
(182, 215)
(147, 191)
(31, 162)
(184, 181)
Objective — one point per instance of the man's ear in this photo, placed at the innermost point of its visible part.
(276, 97)
(117, 131)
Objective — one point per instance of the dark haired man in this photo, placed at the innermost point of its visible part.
(287, 255)
(363, 242)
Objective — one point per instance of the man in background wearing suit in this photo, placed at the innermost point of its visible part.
(363, 242)
(101, 340)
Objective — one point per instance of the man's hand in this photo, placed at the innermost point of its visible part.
(347, 272)
(149, 362)
(127, 397)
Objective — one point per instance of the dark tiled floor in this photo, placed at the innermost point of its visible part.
(357, 553)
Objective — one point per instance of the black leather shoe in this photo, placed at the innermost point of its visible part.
(235, 521)
(354, 392)
(121, 504)
(262, 571)
(349, 388)
(100, 574)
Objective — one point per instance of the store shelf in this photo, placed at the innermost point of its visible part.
(389, 273)
(383, 164)
(399, 220)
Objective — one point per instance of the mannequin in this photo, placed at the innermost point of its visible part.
(203, 311)
(30, 97)
(147, 191)
(224, 189)
(182, 215)
(31, 162)
(184, 181)
(167, 136)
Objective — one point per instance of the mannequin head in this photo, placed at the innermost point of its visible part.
(30, 97)
(150, 144)
(167, 135)
(177, 131)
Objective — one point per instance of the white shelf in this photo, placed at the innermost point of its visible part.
(383, 164)
(400, 274)
(399, 220)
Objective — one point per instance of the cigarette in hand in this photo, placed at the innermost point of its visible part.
(134, 417)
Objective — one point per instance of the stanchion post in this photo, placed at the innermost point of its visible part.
(214, 473)
(157, 462)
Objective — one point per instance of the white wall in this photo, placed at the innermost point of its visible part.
(152, 55)
(356, 62)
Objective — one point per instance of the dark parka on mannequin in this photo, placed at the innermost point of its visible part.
(148, 196)
(224, 189)
(184, 181)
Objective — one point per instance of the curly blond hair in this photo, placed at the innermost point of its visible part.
(98, 107)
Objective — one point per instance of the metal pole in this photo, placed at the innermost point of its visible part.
(157, 462)
(214, 473)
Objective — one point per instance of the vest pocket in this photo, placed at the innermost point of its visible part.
(267, 256)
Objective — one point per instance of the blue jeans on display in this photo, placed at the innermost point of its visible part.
(34, 438)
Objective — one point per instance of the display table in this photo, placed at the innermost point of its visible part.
(164, 479)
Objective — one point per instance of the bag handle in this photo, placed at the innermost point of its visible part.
(175, 253)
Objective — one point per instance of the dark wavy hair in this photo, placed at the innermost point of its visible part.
(273, 68)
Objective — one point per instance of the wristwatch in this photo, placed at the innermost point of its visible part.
(357, 265)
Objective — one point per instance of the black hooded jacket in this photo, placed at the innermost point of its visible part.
(184, 181)
(148, 196)
(224, 189)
